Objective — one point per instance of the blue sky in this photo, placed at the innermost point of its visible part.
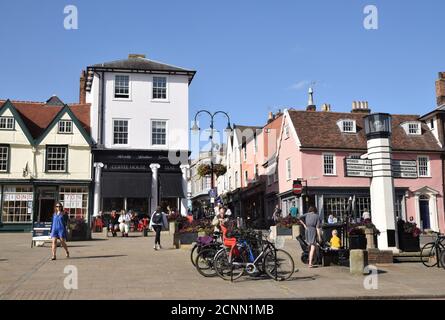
(252, 57)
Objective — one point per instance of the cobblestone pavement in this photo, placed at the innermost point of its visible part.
(129, 268)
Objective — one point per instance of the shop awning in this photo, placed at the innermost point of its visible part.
(171, 185)
(126, 185)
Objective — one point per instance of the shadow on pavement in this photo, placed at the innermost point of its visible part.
(99, 257)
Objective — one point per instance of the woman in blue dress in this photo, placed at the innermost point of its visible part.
(58, 230)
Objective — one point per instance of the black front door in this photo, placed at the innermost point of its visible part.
(425, 214)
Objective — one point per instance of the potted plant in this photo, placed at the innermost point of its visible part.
(77, 229)
(409, 236)
(187, 233)
(357, 237)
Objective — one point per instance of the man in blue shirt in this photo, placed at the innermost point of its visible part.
(293, 211)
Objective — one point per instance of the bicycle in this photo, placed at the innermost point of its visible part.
(204, 243)
(432, 252)
(232, 264)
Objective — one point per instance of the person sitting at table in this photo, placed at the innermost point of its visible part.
(332, 219)
(113, 226)
(335, 241)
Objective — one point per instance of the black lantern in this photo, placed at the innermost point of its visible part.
(378, 125)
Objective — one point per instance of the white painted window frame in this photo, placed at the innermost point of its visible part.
(334, 163)
(428, 166)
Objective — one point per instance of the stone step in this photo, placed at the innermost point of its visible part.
(407, 259)
(407, 254)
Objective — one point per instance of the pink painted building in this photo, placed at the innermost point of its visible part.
(314, 146)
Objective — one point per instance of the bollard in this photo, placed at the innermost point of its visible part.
(358, 260)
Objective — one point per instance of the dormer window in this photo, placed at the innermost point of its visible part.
(65, 127)
(412, 128)
(347, 126)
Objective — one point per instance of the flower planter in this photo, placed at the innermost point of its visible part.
(357, 242)
(172, 227)
(78, 232)
(284, 231)
(297, 230)
(184, 238)
(409, 243)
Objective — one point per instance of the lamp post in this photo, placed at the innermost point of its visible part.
(378, 134)
(212, 123)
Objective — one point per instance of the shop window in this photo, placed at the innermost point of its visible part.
(75, 201)
(17, 204)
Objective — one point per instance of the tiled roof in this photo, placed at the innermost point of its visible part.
(320, 130)
(38, 115)
(139, 63)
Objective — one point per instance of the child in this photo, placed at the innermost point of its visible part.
(335, 241)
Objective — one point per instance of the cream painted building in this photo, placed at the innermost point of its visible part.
(45, 157)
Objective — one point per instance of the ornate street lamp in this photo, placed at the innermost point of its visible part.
(196, 128)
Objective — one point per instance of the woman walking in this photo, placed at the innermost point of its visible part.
(58, 230)
(157, 222)
(311, 222)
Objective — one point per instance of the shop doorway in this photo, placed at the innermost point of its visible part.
(46, 209)
(308, 201)
(424, 208)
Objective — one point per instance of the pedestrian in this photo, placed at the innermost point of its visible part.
(293, 211)
(219, 219)
(113, 225)
(311, 222)
(58, 230)
(366, 215)
(276, 214)
(157, 222)
(124, 223)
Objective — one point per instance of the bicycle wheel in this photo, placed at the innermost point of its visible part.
(193, 254)
(280, 268)
(428, 255)
(229, 270)
(204, 262)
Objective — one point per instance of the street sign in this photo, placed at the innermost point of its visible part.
(404, 169)
(297, 188)
(358, 168)
(212, 193)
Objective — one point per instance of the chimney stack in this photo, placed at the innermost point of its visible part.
(326, 107)
(136, 55)
(82, 88)
(440, 89)
(360, 107)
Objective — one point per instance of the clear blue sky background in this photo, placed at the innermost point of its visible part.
(252, 56)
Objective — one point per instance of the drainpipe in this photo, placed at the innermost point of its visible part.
(100, 110)
(443, 186)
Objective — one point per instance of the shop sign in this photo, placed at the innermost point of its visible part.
(72, 200)
(19, 197)
(405, 169)
(358, 168)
